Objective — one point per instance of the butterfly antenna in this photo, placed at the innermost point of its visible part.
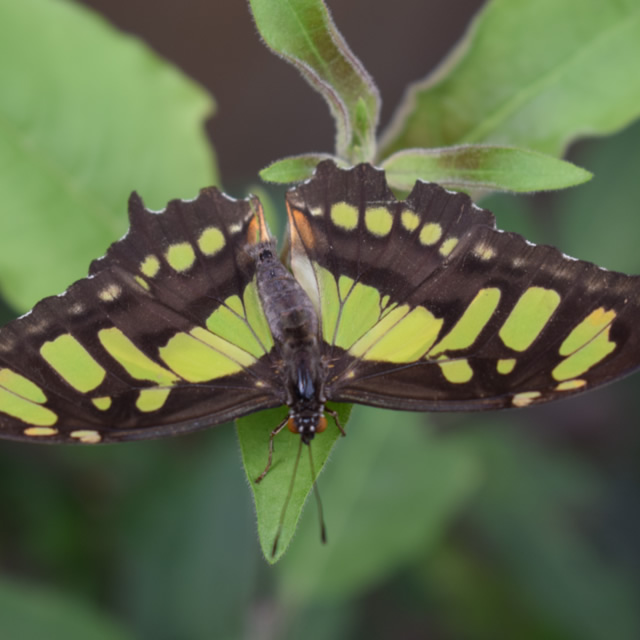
(286, 502)
(323, 528)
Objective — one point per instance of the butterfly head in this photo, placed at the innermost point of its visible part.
(306, 424)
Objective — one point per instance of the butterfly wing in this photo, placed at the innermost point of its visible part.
(165, 335)
(425, 305)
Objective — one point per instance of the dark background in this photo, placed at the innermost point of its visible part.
(265, 110)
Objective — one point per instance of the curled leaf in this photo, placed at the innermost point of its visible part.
(485, 167)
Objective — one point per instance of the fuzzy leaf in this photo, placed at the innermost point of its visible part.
(389, 498)
(295, 168)
(529, 74)
(484, 167)
(270, 495)
(304, 34)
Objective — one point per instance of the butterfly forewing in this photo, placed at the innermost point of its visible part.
(425, 305)
(166, 334)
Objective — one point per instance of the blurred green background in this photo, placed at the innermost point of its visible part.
(449, 527)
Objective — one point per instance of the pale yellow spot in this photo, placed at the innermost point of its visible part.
(378, 220)
(110, 293)
(256, 317)
(25, 408)
(40, 431)
(506, 365)
(529, 317)
(199, 356)
(448, 246)
(73, 363)
(525, 398)
(151, 399)
(142, 282)
(150, 266)
(77, 308)
(21, 386)
(570, 385)
(344, 216)
(211, 240)
(593, 324)
(228, 322)
(181, 256)
(456, 371)
(235, 304)
(360, 311)
(430, 233)
(410, 220)
(327, 291)
(484, 252)
(474, 319)
(583, 359)
(103, 403)
(316, 211)
(86, 436)
(403, 335)
(134, 361)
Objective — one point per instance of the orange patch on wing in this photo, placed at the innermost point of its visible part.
(257, 230)
(299, 229)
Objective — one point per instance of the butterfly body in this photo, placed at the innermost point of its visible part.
(294, 325)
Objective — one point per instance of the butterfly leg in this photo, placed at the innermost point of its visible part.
(334, 415)
(274, 433)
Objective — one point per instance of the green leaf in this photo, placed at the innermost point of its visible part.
(295, 168)
(303, 33)
(529, 74)
(392, 490)
(270, 495)
(86, 116)
(485, 167)
(30, 613)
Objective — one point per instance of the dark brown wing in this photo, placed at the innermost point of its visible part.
(166, 334)
(425, 305)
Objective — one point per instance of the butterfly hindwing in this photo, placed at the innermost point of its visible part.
(425, 305)
(166, 334)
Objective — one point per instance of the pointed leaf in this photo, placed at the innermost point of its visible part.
(529, 74)
(295, 168)
(485, 167)
(303, 33)
(389, 496)
(270, 495)
(86, 116)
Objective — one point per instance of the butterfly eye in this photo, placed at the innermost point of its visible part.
(322, 424)
(291, 425)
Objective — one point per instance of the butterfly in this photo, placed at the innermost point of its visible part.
(192, 320)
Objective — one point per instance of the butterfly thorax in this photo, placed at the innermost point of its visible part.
(294, 325)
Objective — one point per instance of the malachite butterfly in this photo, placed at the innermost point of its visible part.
(191, 320)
